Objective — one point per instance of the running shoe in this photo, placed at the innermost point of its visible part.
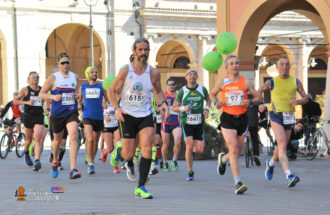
(269, 170)
(221, 165)
(116, 169)
(115, 157)
(31, 150)
(28, 160)
(60, 165)
(130, 172)
(153, 171)
(175, 165)
(256, 160)
(161, 163)
(37, 165)
(74, 174)
(166, 167)
(240, 188)
(293, 180)
(91, 169)
(54, 170)
(20, 137)
(141, 192)
(190, 176)
(104, 156)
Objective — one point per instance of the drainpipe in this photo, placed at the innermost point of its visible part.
(136, 15)
(15, 47)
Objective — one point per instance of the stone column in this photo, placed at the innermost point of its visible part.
(326, 115)
(203, 75)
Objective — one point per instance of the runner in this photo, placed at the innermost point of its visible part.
(64, 111)
(193, 114)
(33, 119)
(17, 114)
(158, 118)
(135, 82)
(92, 94)
(283, 89)
(234, 121)
(171, 125)
(110, 133)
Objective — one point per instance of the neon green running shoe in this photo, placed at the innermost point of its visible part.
(175, 165)
(115, 157)
(166, 167)
(141, 192)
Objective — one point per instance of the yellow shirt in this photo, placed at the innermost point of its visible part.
(283, 90)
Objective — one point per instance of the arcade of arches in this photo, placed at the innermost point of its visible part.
(245, 19)
(74, 39)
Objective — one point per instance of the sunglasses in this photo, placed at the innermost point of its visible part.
(34, 76)
(65, 62)
(171, 84)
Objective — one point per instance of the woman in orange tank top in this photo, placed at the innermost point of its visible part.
(234, 103)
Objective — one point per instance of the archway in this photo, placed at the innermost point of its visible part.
(172, 60)
(74, 39)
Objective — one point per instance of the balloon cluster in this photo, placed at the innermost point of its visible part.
(108, 80)
(226, 43)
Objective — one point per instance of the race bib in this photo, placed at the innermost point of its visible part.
(135, 98)
(37, 101)
(159, 118)
(68, 99)
(234, 98)
(92, 93)
(289, 118)
(194, 119)
(113, 122)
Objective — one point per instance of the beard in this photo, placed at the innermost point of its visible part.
(144, 60)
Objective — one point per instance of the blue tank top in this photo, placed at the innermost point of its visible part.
(65, 85)
(174, 117)
(93, 96)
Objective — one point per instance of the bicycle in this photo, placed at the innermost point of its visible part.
(11, 139)
(314, 143)
(248, 153)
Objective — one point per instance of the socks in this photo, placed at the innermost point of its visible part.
(62, 151)
(271, 162)
(223, 159)
(154, 155)
(287, 173)
(144, 170)
(237, 179)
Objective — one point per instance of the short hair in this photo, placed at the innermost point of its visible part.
(170, 79)
(300, 122)
(140, 40)
(282, 58)
(32, 72)
(230, 57)
(62, 55)
(190, 70)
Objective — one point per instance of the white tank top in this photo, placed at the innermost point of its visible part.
(135, 95)
(65, 81)
(110, 112)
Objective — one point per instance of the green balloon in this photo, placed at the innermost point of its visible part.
(226, 43)
(212, 61)
(123, 66)
(108, 81)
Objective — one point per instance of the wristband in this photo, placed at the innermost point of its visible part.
(207, 108)
(215, 101)
(182, 109)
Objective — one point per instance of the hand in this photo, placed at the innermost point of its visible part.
(261, 108)
(164, 110)
(294, 102)
(76, 96)
(30, 102)
(187, 108)
(119, 114)
(107, 119)
(246, 102)
(206, 113)
(219, 104)
(57, 98)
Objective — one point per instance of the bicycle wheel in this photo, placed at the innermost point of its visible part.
(4, 146)
(246, 152)
(20, 145)
(312, 146)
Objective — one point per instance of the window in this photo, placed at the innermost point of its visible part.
(181, 62)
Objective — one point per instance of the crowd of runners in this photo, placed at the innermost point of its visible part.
(135, 118)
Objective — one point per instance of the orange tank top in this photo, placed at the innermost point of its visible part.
(233, 95)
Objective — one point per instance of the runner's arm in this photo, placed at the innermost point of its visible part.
(5, 110)
(46, 87)
(18, 100)
(116, 86)
(257, 98)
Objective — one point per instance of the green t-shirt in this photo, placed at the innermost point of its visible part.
(195, 98)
